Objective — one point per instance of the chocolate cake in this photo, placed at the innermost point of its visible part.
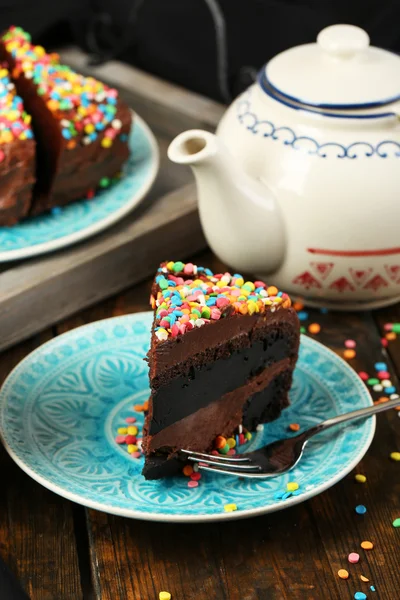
(222, 355)
(80, 125)
(17, 154)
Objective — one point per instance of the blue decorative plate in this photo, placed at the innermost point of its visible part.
(61, 407)
(79, 220)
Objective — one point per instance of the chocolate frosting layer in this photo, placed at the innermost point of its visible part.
(17, 177)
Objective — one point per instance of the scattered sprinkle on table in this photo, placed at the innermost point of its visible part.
(294, 427)
(292, 486)
(367, 545)
(343, 574)
(363, 375)
(314, 328)
(360, 596)
(230, 507)
(353, 558)
(360, 478)
(193, 484)
(372, 588)
(349, 354)
(395, 456)
(396, 522)
(350, 344)
(380, 366)
(164, 596)
(364, 578)
(303, 315)
(361, 509)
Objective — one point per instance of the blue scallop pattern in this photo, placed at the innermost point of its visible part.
(61, 407)
(80, 215)
(287, 136)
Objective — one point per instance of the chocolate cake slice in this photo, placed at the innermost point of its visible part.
(17, 154)
(81, 126)
(222, 355)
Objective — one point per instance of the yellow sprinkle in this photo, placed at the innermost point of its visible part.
(170, 265)
(106, 142)
(343, 574)
(89, 128)
(122, 430)
(39, 50)
(7, 137)
(395, 456)
(230, 507)
(239, 282)
(292, 486)
(132, 448)
(367, 545)
(231, 442)
(3, 73)
(360, 478)
(132, 430)
(81, 110)
(364, 578)
(164, 596)
(252, 307)
(251, 285)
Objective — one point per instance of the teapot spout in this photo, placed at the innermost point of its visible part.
(239, 215)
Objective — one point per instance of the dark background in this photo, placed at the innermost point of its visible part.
(213, 47)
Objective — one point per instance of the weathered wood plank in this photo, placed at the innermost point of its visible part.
(43, 291)
(37, 539)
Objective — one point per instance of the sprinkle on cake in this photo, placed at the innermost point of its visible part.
(89, 105)
(14, 121)
(187, 296)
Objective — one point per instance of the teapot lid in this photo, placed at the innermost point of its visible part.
(340, 70)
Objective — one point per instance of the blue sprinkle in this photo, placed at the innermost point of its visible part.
(287, 495)
(99, 126)
(303, 315)
(296, 493)
(171, 283)
(93, 136)
(176, 302)
(279, 495)
(360, 596)
(56, 210)
(112, 100)
(372, 588)
(208, 272)
(178, 313)
(237, 276)
(279, 294)
(252, 297)
(237, 440)
(323, 311)
(381, 366)
(29, 134)
(66, 134)
(361, 509)
(211, 301)
(123, 137)
(172, 318)
(390, 390)
(258, 290)
(166, 294)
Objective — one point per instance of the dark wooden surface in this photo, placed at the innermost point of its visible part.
(61, 551)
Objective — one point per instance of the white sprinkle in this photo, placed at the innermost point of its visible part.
(116, 124)
(199, 322)
(386, 383)
(161, 335)
(10, 86)
(195, 269)
(260, 427)
(263, 293)
(240, 428)
(377, 387)
(65, 123)
(100, 96)
(86, 140)
(195, 467)
(394, 396)
(225, 279)
(28, 75)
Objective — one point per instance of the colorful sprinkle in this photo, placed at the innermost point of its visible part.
(380, 366)
(396, 522)
(365, 579)
(187, 470)
(343, 574)
(360, 478)
(350, 344)
(303, 315)
(363, 375)
(395, 456)
(360, 596)
(230, 507)
(193, 484)
(361, 509)
(294, 427)
(120, 439)
(367, 545)
(314, 328)
(349, 354)
(372, 588)
(292, 486)
(353, 558)
(186, 296)
(164, 596)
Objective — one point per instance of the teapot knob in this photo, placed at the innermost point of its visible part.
(343, 40)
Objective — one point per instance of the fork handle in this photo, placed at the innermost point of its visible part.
(361, 413)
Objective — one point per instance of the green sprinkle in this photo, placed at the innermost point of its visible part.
(396, 522)
(178, 266)
(205, 313)
(396, 327)
(104, 182)
(196, 312)
(163, 283)
(373, 381)
(303, 330)
(224, 450)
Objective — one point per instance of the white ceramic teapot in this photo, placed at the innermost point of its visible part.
(301, 183)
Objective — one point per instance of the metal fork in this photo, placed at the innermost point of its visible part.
(280, 456)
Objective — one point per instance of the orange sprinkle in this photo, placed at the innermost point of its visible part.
(314, 328)
(71, 144)
(349, 353)
(391, 336)
(397, 408)
(146, 405)
(298, 306)
(363, 578)
(367, 545)
(138, 407)
(294, 427)
(343, 574)
(272, 290)
(187, 470)
(381, 400)
(220, 442)
(244, 309)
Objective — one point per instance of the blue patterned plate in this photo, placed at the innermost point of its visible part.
(80, 220)
(61, 407)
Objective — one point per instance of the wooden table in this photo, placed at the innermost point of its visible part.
(61, 551)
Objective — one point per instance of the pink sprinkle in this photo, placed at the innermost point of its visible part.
(193, 484)
(231, 452)
(112, 93)
(383, 375)
(188, 269)
(215, 452)
(363, 375)
(201, 464)
(353, 558)
(215, 314)
(195, 476)
(384, 342)
(222, 302)
(120, 439)
(388, 326)
(136, 454)
(164, 323)
(350, 344)
(174, 330)
(130, 419)
(2, 155)
(259, 284)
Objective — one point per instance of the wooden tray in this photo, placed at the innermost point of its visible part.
(39, 292)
